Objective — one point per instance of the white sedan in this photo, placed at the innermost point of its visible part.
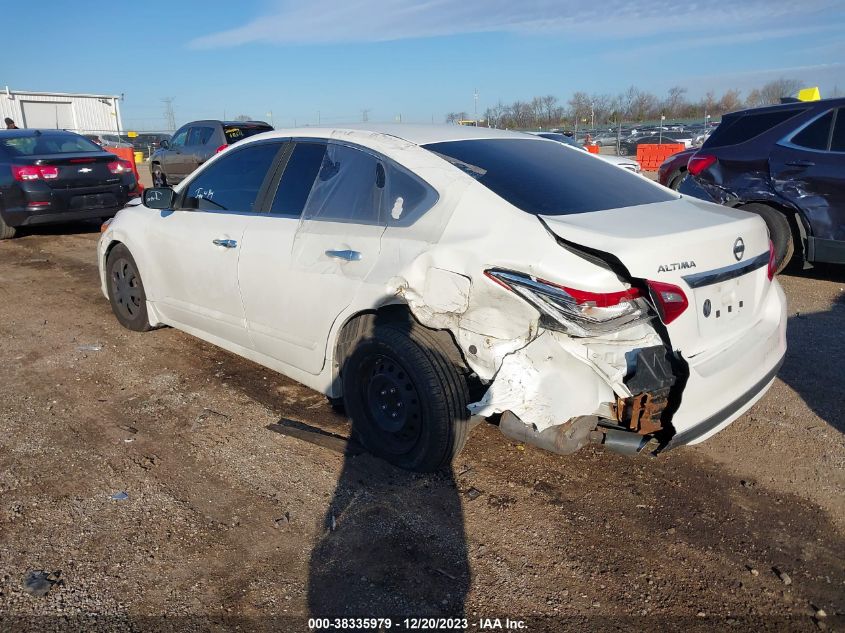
(431, 277)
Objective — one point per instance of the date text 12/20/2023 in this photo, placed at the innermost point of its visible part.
(416, 624)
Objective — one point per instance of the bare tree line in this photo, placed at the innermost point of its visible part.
(632, 105)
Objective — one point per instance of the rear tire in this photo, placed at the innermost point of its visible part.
(780, 232)
(126, 290)
(676, 180)
(6, 232)
(406, 399)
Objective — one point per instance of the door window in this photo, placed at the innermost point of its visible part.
(348, 187)
(298, 178)
(200, 135)
(837, 141)
(232, 182)
(815, 135)
(179, 138)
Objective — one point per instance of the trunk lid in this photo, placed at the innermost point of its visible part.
(83, 169)
(711, 252)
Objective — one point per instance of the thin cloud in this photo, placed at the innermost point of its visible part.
(329, 22)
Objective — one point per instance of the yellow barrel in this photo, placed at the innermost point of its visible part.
(139, 157)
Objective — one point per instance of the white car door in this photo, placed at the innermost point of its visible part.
(303, 263)
(197, 245)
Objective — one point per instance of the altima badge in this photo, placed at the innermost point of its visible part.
(739, 248)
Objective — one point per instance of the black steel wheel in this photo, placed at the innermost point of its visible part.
(406, 399)
(126, 290)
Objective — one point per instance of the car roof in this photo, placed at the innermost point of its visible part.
(225, 123)
(418, 134)
(822, 104)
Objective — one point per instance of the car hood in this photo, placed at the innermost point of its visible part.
(617, 160)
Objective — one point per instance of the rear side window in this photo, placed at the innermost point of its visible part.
(815, 135)
(406, 198)
(200, 135)
(301, 170)
(548, 178)
(235, 133)
(837, 142)
(48, 144)
(348, 187)
(740, 128)
(232, 182)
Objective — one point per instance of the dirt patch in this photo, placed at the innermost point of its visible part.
(227, 523)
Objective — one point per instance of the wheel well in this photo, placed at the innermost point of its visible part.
(361, 324)
(109, 249)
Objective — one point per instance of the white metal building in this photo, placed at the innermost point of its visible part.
(83, 113)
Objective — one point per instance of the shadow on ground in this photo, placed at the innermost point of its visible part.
(814, 357)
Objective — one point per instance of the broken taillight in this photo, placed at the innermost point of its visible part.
(576, 312)
(669, 300)
(697, 163)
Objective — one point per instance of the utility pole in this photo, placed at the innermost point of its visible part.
(318, 117)
(169, 115)
(475, 98)
(365, 115)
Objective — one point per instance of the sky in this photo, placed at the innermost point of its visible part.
(301, 62)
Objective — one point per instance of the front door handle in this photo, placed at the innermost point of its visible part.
(225, 243)
(347, 255)
(800, 163)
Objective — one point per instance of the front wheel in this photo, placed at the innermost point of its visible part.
(158, 175)
(406, 399)
(126, 290)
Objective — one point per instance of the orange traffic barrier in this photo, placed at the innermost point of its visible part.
(127, 153)
(651, 156)
(593, 149)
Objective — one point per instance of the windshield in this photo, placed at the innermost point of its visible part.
(548, 178)
(37, 144)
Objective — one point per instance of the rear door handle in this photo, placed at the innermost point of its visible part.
(800, 163)
(347, 255)
(225, 243)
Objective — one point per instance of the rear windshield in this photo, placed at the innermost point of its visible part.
(548, 178)
(38, 144)
(739, 128)
(235, 133)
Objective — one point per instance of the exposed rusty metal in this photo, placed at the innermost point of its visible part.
(641, 413)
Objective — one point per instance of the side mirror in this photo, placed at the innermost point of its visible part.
(158, 198)
(165, 144)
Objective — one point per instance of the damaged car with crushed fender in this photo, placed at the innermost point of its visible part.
(430, 278)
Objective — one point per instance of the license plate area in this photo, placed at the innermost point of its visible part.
(726, 305)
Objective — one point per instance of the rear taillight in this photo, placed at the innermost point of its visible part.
(576, 312)
(221, 148)
(699, 162)
(772, 261)
(120, 166)
(669, 300)
(24, 173)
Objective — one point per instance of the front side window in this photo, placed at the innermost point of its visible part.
(298, 178)
(815, 135)
(546, 178)
(200, 135)
(179, 138)
(232, 182)
(348, 187)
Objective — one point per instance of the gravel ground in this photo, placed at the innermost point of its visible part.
(227, 524)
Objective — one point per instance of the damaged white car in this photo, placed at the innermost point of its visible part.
(429, 277)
